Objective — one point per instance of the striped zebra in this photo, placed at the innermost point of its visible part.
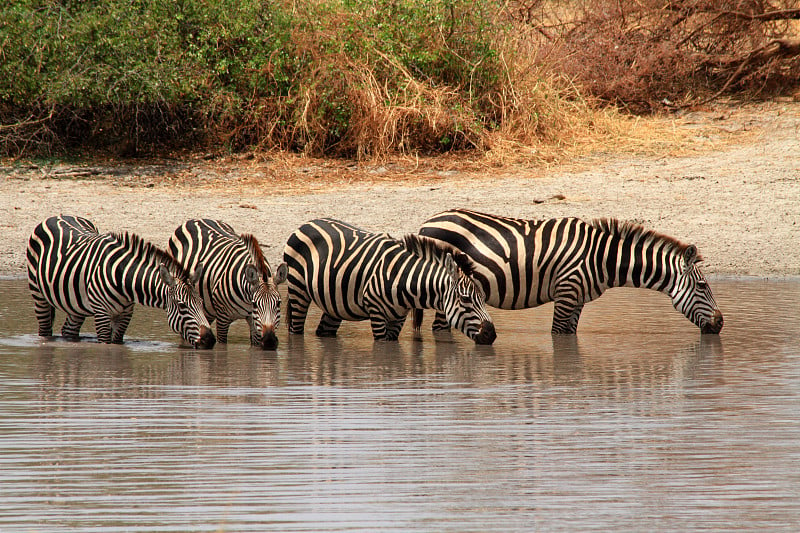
(352, 274)
(237, 281)
(525, 263)
(72, 267)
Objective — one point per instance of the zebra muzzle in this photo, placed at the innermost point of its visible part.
(269, 341)
(486, 335)
(714, 324)
(207, 339)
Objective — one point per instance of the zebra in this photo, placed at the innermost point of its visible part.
(72, 267)
(237, 281)
(525, 263)
(352, 274)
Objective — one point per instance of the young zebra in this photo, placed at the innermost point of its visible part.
(237, 281)
(74, 268)
(525, 263)
(352, 274)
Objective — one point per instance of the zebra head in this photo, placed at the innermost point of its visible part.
(265, 315)
(185, 308)
(464, 301)
(692, 296)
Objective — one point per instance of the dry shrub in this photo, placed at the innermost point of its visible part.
(650, 54)
(375, 107)
(22, 131)
(412, 116)
(540, 114)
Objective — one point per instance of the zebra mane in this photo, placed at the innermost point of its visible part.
(151, 252)
(256, 254)
(624, 229)
(434, 250)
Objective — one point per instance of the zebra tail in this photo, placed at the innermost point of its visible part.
(417, 316)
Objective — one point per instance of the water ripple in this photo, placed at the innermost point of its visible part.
(609, 430)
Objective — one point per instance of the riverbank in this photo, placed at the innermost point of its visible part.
(738, 201)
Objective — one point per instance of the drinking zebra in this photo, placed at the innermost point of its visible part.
(525, 263)
(352, 274)
(74, 268)
(237, 281)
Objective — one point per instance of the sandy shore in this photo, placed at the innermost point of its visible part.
(739, 203)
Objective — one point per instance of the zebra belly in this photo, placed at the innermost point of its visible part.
(341, 295)
(72, 299)
(504, 291)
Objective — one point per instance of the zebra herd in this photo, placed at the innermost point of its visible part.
(460, 262)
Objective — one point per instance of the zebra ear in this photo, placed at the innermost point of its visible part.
(451, 266)
(197, 274)
(251, 274)
(689, 257)
(281, 274)
(463, 262)
(166, 277)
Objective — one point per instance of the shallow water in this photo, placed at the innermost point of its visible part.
(639, 422)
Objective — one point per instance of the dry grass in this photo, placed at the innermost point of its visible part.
(282, 172)
(604, 134)
(267, 173)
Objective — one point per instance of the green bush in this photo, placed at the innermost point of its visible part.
(336, 77)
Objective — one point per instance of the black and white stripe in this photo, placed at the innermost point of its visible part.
(237, 281)
(352, 274)
(525, 263)
(73, 268)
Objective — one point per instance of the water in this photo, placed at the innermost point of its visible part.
(639, 423)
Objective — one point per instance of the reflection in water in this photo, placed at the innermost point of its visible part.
(650, 427)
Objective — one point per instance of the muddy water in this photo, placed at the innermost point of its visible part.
(638, 423)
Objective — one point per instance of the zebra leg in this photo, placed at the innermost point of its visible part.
(102, 324)
(45, 314)
(296, 311)
(566, 313)
(119, 325)
(379, 326)
(440, 322)
(393, 328)
(255, 337)
(383, 328)
(223, 325)
(328, 326)
(417, 315)
(72, 327)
